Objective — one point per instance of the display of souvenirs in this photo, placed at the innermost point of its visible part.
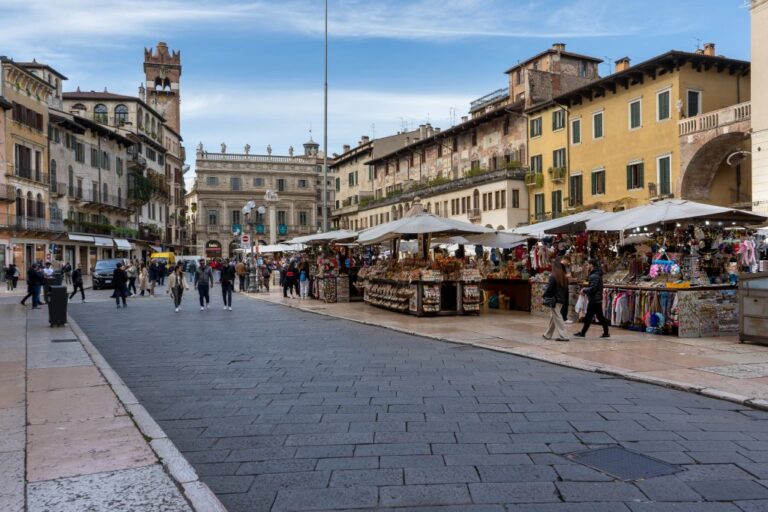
(390, 296)
(471, 275)
(471, 297)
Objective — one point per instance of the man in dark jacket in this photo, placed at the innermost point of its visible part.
(120, 279)
(34, 283)
(77, 282)
(594, 294)
(227, 283)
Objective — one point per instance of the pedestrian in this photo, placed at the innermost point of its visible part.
(131, 272)
(77, 283)
(565, 261)
(34, 282)
(203, 283)
(9, 277)
(143, 279)
(289, 274)
(242, 273)
(227, 283)
(152, 273)
(67, 270)
(556, 293)
(162, 271)
(16, 275)
(191, 270)
(177, 285)
(216, 266)
(304, 280)
(594, 294)
(265, 274)
(120, 280)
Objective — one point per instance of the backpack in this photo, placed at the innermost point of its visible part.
(303, 276)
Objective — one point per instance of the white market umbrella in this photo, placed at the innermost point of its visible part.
(418, 224)
(328, 236)
(497, 239)
(671, 210)
(269, 249)
(540, 229)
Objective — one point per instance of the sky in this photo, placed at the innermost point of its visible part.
(253, 70)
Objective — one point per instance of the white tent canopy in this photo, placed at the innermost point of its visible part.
(328, 236)
(269, 249)
(539, 229)
(671, 210)
(498, 239)
(418, 224)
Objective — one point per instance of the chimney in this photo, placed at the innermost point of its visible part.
(422, 131)
(365, 139)
(464, 119)
(622, 64)
(559, 47)
(699, 51)
(709, 49)
(345, 148)
(437, 130)
(430, 130)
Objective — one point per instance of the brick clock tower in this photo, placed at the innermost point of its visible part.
(162, 71)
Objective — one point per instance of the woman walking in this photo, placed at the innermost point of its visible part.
(227, 277)
(176, 285)
(556, 293)
(304, 279)
(131, 271)
(143, 279)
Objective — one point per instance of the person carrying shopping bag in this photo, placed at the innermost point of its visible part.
(176, 285)
(556, 293)
(594, 295)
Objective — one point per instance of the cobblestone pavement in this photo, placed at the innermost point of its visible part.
(279, 410)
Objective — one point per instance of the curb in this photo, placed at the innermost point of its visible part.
(748, 401)
(197, 493)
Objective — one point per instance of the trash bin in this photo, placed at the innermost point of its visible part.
(57, 305)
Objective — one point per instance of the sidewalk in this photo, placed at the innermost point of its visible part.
(718, 367)
(72, 435)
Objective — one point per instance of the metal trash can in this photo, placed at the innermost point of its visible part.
(57, 305)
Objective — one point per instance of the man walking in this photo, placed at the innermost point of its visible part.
(34, 282)
(242, 272)
(203, 283)
(227, 283)
(120, 279)
(594, 294)
(77, 282)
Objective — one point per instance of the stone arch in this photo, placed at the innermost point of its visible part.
(500, 228)
(697, 177)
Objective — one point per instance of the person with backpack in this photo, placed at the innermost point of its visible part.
(304, 280)
(191, 270)
(77, 283)
(203, 283)
(266, 272)
(227, 276)
(594, 294)
(556, 293)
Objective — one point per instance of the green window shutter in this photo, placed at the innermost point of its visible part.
(641, 175)
(629, 177)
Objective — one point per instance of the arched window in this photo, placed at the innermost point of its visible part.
(40, 207)
(19, 203)
(146, 121)
(79, 106)
(70, 181)
(54, 181)
(167, 84)
(476, 199)
(153, 125)
(100, 113)
(158, 83)
(104, 193)
(140, 118)
(30, 205)
(121, 115)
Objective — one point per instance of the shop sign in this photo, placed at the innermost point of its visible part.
(213, 246)
(236, 229)
(282, 229)
(260, 229)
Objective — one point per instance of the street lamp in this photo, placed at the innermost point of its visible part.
(253, 278)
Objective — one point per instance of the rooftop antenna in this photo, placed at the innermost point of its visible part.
(608, 61)
(698, 43)
(373, 131)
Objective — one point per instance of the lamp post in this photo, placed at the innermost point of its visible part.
(253, 276)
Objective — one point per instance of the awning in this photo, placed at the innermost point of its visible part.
(80, 238)
(102, 241)
(123, 244)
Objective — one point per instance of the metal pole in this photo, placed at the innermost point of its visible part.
(325, 128)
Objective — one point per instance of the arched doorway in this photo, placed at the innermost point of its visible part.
(709, 178)
(233, 246)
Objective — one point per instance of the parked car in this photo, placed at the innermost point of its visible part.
(103, 271)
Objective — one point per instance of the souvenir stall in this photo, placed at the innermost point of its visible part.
(330, 265)
(421, 286)
(676, 273)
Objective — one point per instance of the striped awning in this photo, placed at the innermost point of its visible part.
(80, 238)
(102, 241)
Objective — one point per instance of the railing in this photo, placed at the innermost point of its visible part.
(136, 161)
(58, 188)
(30, 174)
(7, 193)
(474, 214)
(92, 228)
(534, 179)
(22, 223)
(91, 196)
(488, 98)
(716, 119)
(558, 173)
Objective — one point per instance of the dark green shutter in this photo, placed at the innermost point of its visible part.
(629, 177)
(641, 175)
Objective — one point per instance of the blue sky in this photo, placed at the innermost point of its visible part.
(252, 70)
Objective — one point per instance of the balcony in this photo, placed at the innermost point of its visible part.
(488, 99)
(92, 228)
(58, 189)
(474, 215)
(716, 119)
(534, 179)
(30, 174)
(137, 162)
(7, 194)
(30, 224)
(558, 174)
(92, 198)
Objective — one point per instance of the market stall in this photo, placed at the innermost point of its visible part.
(333, 270)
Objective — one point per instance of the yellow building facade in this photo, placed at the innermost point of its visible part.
(621, 141)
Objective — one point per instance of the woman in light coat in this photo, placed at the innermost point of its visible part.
(176, 285)
(143, 279)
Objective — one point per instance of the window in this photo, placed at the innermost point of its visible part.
(104, 193)
(258, 182)
(351, 179)
(576, 131)
(583, 69)
(94, 157)
(597, 125)
(598, 182)
(515, 198)
(53, 176)
(70, 181)
(439, 150)
(497, 199)
(538, 203)
(303, 219)
(213, 217)
(575, 192)
(464, 204)
(635, 175)
(94, 191)
(486, 206)
(635, 114)
(23, 161)
(121, 115)
(282, 217)
(27, 117)
(663, 106)
(56, 135)
(455, 144)
(119, 166)
(474, 138)
(557, 203)
(505, 128)
(161, 158)
(558, 120)
(105, 160)
(474, 165)
(536, 165)
(558, 158)
(212, 181)
(79, 191)
(536, 127)
(503, 196)
(664, 174)
(151, 154)
(281, 185)
(694, 103)
(235, 184)
(235, 217)
(100, 114)
(304, 183)
(79, 152)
